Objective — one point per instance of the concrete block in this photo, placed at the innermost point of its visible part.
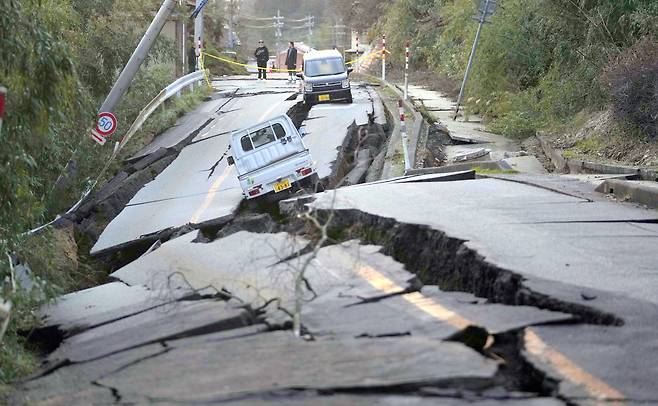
(642, 192)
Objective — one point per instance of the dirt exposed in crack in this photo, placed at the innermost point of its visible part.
(114, 391)
(93, 219)
(438, 259)
(516, 373)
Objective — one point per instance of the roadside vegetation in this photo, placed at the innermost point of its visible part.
(58, 61)
(543, 65)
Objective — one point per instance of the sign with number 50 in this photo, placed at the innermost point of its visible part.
(106, 124)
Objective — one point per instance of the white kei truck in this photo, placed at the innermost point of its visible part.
(271, 157)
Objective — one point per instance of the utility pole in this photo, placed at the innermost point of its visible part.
(406, 71)
(487, 8)
(230, 10)
(278, 25)
(339, 33)
(310, 24)
(3, 95)
(384, 57)
(356, 67)
(198, 32)
(138, 56)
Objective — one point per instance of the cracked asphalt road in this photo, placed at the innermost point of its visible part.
(184, 194)
(433, 289)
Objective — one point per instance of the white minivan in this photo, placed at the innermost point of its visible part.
(271, 157)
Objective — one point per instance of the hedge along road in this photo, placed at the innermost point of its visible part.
(184, 193)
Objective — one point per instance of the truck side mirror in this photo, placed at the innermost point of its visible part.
(300, 75)
(230, 160)
(350, 70)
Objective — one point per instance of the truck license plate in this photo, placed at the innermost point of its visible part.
(324, 97)
(281, 186)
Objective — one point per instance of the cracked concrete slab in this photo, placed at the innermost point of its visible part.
(159, 324)
(428, 313)
(81, 310)
(252, 267)
(415, 178)
(326, 128)
(594, 257)
(499, 220)
(347, 266)
(241, 264)
(623, 373)
(388, 400)
(184, 193)
(526, 164)
(73, 384)
(239, 113)
(183, 127)
(279, 361)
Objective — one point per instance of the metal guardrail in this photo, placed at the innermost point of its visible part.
(9, 286)
(164, 95)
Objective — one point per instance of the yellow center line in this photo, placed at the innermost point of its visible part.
(599, 389)
(212, 192)
(422, 302)
(210, 196)
(534, 345)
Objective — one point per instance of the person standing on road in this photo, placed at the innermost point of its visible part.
(262, 55)
(291, 61)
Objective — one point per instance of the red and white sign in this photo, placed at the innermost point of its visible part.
(97, 137)
(3, 92)
(106, 124)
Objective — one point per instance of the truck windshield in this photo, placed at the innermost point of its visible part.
(324, 67)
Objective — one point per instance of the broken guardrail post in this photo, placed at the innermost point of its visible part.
(8, 288)
(383, 57)
(403, 135)
(3, 95)
(406, 71)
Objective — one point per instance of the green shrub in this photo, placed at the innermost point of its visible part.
(632, 80)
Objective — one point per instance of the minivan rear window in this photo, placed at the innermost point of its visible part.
(324, 67)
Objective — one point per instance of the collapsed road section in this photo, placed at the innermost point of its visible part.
(527, 246)
(432, 289)
(200, 189)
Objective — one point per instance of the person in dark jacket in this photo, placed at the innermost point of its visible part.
(262, 55)
(291, 61)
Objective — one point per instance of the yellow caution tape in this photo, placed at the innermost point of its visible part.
(202, 65)
(219, 58)
(371, 55)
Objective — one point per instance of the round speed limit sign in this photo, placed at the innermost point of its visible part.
(106, 124)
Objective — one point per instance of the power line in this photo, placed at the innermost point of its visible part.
(247, 17)
(260, 27)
